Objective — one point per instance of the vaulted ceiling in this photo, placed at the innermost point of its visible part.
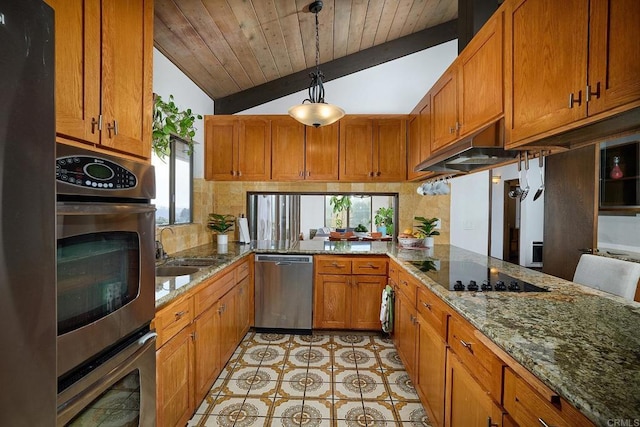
(244, 51)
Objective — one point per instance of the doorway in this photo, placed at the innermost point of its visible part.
(511, 224)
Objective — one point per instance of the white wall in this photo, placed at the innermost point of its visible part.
(394, 87)
(470, 212)
(312, 213)
(531, 213)
(169, 80)
(619, 232)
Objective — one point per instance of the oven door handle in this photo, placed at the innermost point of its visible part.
(75, 404)
(66, 208)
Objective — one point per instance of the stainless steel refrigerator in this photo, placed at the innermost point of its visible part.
(27, 215)
(273, 217)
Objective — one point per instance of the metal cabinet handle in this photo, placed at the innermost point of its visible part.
(180, 314)
(193, 336)
(336, 265)
(239, 173)
(596, 93)
(112, 127)
(428, 306)
(369, 265)
(466, 345)
(575, 100)
(542, 423)
(371, 173)
(451, 129)
(378, 173)
(308, 173)
(96, 123)
(490, 424)
(404, 282)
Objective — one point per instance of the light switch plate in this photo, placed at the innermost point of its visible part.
(438, 224)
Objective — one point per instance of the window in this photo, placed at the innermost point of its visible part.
(174, 178)
(360, 211)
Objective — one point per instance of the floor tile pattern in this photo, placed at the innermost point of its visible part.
(324, 379)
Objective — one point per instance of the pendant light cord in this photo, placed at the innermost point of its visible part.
(316, 89)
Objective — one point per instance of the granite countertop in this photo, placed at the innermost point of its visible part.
(583, 343)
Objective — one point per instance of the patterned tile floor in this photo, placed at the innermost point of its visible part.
(324, 379)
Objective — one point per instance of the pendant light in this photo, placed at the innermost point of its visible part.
(314, 111)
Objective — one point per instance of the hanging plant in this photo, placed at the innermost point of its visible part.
(169, 121)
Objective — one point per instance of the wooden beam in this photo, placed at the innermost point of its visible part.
(472, 14)
(337, 68)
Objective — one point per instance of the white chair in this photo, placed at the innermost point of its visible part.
(608, 274)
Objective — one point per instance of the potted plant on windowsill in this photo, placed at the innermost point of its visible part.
(168, 122)
(384, 220)
(221, 224)
(427, 227)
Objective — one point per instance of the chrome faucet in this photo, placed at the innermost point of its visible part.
(160, 253)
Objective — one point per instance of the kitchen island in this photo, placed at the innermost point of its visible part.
(582, 343)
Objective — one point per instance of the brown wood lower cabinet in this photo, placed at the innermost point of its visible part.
(197, 334)
(430, 371)
(348, 291)
(467, 403)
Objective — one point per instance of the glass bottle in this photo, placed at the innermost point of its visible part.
(616, 172)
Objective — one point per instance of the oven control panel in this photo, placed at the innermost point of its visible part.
(94, 172)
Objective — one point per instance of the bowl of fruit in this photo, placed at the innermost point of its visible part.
(409, 238)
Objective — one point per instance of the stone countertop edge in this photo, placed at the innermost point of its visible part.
(583, 343)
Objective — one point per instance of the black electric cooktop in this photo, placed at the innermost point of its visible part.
(474, 277)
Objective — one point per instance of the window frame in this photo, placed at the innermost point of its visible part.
(172, 182)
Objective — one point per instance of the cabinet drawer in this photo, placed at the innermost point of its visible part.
(172, 319)
(212, 290)
(474, 354)
(332, 265)
(433, 310)
(242, 270)
(370, 266)
(528, 408)
(407, 286)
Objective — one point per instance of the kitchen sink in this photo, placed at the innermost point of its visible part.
(175, 270)
(195, 262)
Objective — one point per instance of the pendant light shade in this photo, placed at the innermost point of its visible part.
(314, 111)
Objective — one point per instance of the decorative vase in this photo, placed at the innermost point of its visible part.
(382, 229)
(223, 239)
(428, 242)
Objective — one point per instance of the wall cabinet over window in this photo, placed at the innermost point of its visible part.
(590, 70)
(237, 148)
(103, 74)
(373, 149)
(302, 152)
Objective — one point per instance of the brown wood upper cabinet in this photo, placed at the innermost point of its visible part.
(301, 152)
(569, 65)
(469, 95)
(419, 139)
(237, 148)
(373, 148)
(104, 74)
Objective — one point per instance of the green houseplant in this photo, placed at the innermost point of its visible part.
(339, 204)
(221, 224)
(384, 220)
(169, 121)
(427, 227)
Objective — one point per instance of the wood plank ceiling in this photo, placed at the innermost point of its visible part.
(230, 46)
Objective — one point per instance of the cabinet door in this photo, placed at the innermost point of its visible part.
(366, 294)
(614, 69)
(356, 149)
(467, 403)
(390, 149)
(444, 110)
(419, 141)
(405, 332)
(228, 331)
(244, 304)
(174, 380)
(221, 134)
(207, 364)
(332, 301)
(127, 40)
(480, 78)
(287, 149)
(547, 62)
(254, 149)
(430, 370)
(322, 152)
(77, 68)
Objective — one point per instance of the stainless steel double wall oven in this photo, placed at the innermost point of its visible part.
(105, 288)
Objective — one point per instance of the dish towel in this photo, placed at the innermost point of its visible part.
(386, 309)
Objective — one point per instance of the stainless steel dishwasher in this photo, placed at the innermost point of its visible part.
(284, 291)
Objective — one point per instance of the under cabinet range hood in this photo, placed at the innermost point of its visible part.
(476, 152)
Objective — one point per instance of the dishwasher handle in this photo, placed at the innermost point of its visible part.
(284, 259)
(283, 263)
